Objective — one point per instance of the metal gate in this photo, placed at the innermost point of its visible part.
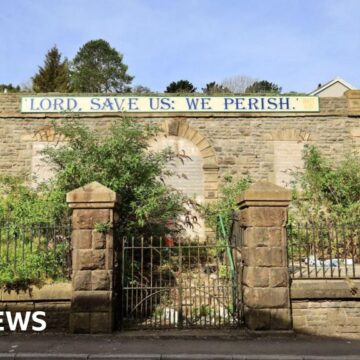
(169, 283)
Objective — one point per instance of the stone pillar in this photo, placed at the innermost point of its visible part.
(265, 278)
(92, 296)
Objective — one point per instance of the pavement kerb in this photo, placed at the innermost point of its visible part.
(201, 334)
(51, 356)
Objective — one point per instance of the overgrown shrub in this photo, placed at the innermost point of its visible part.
(226, 204)
(122, 161)
(24, 267)
(21, 204)
(326, 192)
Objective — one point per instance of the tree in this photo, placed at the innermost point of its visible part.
(238, 83)
(120, 160)
(263, 86)
(99, 68)
(140, 89)
(9, 88)
(54, 75)
(27, 85)
(214, 88)
(181, 86)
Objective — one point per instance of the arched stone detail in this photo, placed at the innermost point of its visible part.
(289, 135)
(180, 128)
(47, 134)
(42, 138)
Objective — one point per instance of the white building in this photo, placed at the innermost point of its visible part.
(333, 88)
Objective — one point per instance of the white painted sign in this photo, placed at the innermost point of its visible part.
(147, 104)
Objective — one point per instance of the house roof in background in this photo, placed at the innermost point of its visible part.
(330, 83)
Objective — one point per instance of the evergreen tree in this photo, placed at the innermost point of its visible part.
(263, 86)
(99, 68)
(181, 86)
(54, 75)
(214, 88)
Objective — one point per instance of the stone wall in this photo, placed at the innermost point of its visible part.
(231, 143)
(326, 307)
(234, 143)
(53, 299)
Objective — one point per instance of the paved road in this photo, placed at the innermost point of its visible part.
(153, 346)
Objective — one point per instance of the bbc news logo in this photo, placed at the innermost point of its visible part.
(14, 321)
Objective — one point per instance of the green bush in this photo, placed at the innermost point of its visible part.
(27, 219)
(21, 204)
(326, 197)
(324, 191)
(122, 161)
(24, 211)
(225, 206)
(27, 261)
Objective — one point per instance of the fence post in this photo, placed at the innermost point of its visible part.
(265, 280)
(92, 297)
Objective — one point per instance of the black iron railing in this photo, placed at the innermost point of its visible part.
(36, 251)
(324, 251)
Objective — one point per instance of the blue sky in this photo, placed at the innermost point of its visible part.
(294, 43)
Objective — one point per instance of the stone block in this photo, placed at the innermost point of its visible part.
(100, 280)
(190, 133)
(98, 240)
(211, 177)
(264, 256)
(279, 277)
(323, 289)
(91, 259)
(198, 138)
(19, 306)
(355, 132)
(87, 218)
(80, 323)
(280, 319)
(299, 304)
(75, 260)
(302, 312)
(256, 276)
(91, 301)
(81, 239)
(263, 216)
(110, 240)
(261, 236)
(57, 291)
(316, 304)
(109, 259)
(82, 280)
(298, 321)
(182, 129)
(93, 192)
(101, 322)
(54, 306)
(338, 316)
(256, 319)
(261, 298)
(57, 321)
(265, 192)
